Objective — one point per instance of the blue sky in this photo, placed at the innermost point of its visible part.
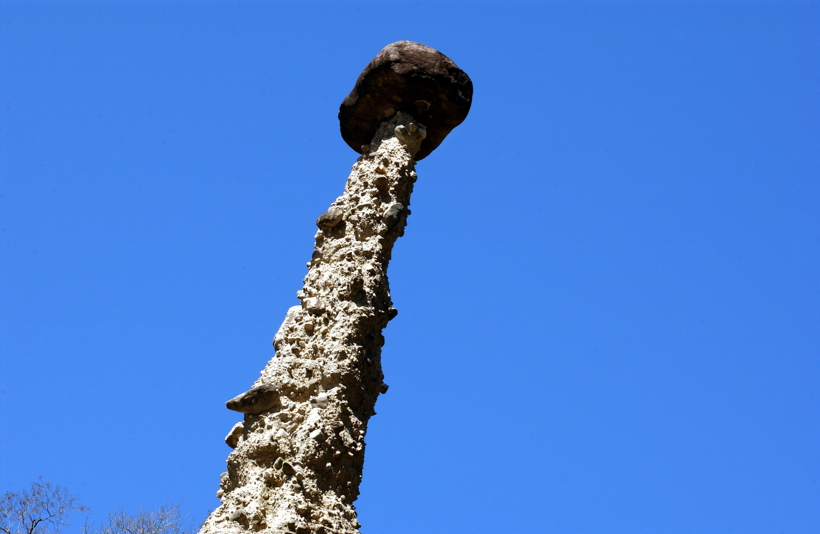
(608, 291)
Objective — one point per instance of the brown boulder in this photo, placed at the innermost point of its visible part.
(410, 77)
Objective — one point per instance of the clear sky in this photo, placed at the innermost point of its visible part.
(608, 291)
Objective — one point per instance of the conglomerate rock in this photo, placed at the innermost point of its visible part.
(299, 451)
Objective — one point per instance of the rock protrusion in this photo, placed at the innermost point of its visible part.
(232, 439)
(330, 218)
(392, 215)
(413, 78)
(255, 401)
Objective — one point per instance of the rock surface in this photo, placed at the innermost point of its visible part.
(409, 77)
(298, 462)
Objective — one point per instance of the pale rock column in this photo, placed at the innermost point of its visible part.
(298, 463)
(299, 452)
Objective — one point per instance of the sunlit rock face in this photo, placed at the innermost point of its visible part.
(299, 450)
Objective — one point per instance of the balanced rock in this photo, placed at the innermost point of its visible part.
(410, 77)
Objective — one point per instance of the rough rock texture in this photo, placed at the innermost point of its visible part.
(410, 77)
(299, 451)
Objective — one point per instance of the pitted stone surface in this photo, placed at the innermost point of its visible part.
(409, 77)
(297, 465)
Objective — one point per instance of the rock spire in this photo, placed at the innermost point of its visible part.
(299, 450)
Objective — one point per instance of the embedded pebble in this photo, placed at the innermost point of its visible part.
(402, 134)
(392, 215)
(313, 305)
(321, 400)
(232, 439)
(330, 218)
(381, 183)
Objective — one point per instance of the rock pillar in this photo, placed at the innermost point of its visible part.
(299, 451)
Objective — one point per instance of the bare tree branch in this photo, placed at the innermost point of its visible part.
(167, 519)
(42, 509)
(45, 509)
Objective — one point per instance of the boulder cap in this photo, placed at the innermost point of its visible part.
(410, 77)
